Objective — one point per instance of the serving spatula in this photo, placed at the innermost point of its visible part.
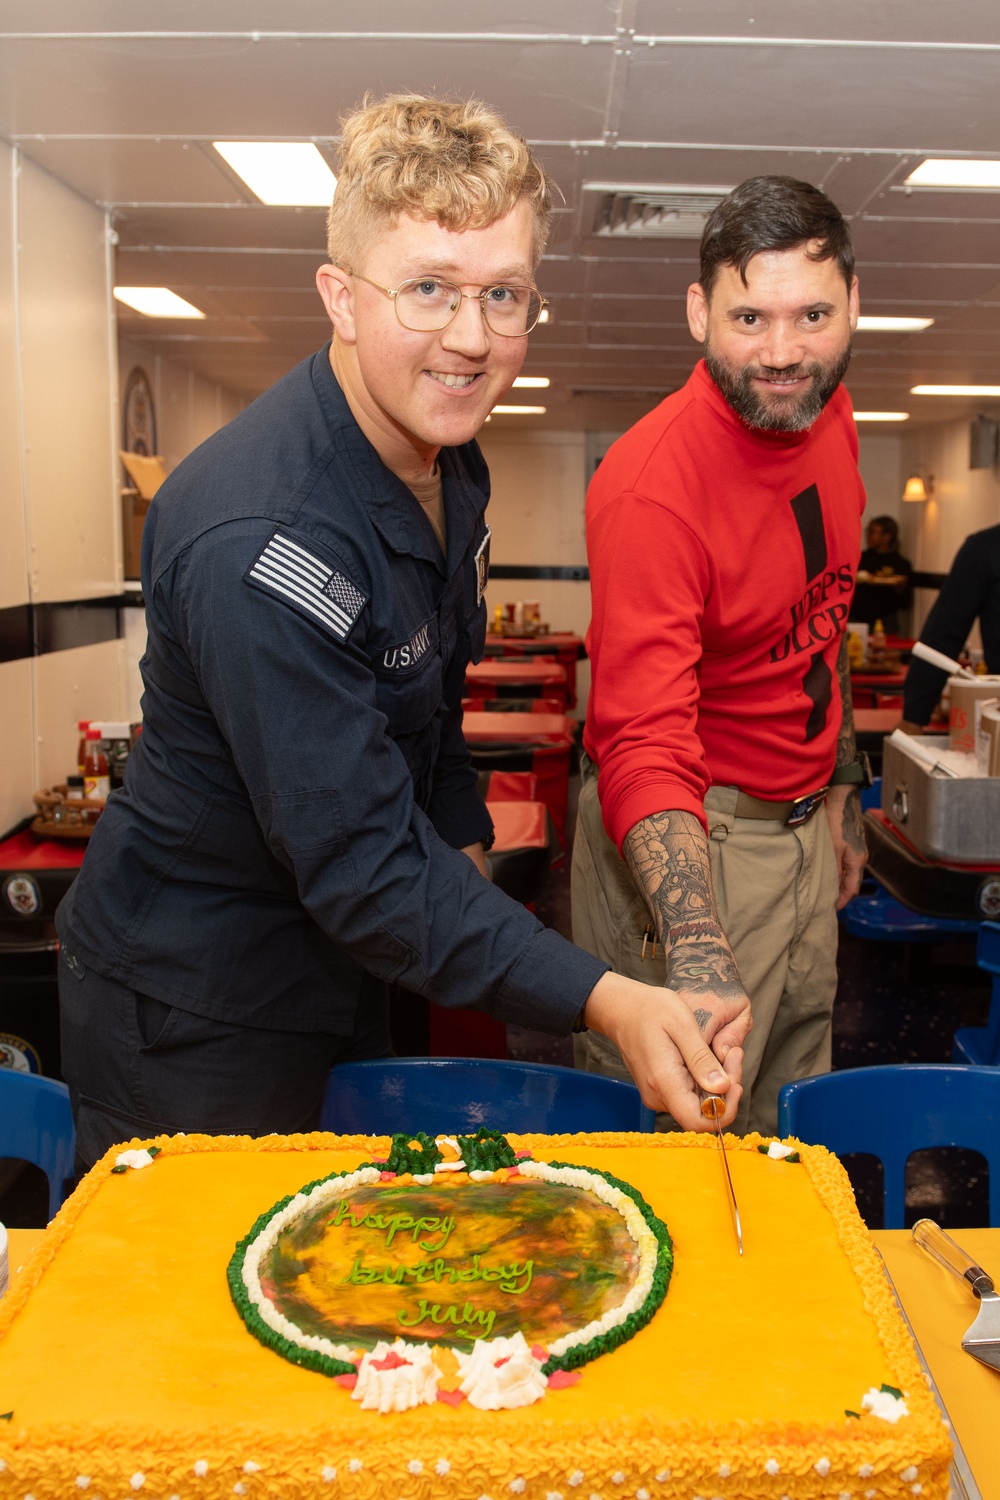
(982, 1340)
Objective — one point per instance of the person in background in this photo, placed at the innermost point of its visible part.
(883, 587)
(971, 591)
(719, 821)
(299, 831)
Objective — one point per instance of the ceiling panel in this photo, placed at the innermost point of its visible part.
(726, 91)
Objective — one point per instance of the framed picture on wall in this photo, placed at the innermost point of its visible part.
(145, 471)
(138, 414)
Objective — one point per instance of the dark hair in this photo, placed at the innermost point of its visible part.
(772, 213)
(888, 524)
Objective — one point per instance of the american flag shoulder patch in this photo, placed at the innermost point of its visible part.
(298, 577)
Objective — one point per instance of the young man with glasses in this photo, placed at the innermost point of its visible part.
(719, 824)
(300, 829)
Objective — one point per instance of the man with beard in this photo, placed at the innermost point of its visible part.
(719, 828)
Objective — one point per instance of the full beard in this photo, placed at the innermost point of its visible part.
(772, 412)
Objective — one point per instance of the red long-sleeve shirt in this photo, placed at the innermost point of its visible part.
(722, 562)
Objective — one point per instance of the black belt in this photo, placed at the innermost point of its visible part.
(793, 814)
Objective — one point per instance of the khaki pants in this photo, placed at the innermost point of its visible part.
(776, 890)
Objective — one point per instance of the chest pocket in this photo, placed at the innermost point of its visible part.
(408, 680)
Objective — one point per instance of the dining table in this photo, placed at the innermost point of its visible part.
(938, 1309)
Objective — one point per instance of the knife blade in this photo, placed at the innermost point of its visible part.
(713, 1107)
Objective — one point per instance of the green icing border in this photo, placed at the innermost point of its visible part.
(493, 1150)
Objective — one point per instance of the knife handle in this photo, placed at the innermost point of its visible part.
(713, 1106)
(932, 1238)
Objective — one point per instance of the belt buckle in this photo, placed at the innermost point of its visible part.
(804, 807)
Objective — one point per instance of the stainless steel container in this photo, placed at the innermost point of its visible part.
(953, 820)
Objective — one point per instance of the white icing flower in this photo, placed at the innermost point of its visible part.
(415, 1466)
(355, 1466)
(553, 1495)
(663, 1475)
(917, 1489)
(424, 1178)
(772, 1467)
(83, 1480)
(501, 1374)
(618, 1477)
(442, 1467)
(866, 1471)
(138, 1480)
(239, 1488)
(576, 1478)
(328, 1473)
(136, 1159)
(777, 1152)
(642, 1495)
(844, 1495)
(822, 1467)
(476, 1176)
(517, 1486)
(200, 1468)
(400, 1386)
(250, 1467)
(870, 1494)
(885, 1405)
(724, 1471)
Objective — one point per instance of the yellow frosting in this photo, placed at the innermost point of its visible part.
(126, 1365)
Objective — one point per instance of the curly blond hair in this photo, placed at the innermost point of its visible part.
(456, 163)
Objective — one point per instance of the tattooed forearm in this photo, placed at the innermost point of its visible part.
(667, 856)
(852, 825)
(846, 746)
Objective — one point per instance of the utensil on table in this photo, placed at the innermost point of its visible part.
(938, 659)
(910, 744)
(982, 1340)
(713, 1107)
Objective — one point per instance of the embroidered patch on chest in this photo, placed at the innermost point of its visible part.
(482, 560)
(408, 653)
(294, 574)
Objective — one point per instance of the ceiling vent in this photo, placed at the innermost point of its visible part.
(643, 212)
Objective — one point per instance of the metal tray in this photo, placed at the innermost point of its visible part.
(954, 820)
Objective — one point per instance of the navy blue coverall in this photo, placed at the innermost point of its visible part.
(286, 842)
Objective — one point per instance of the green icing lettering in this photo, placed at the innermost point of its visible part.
(435, 1312)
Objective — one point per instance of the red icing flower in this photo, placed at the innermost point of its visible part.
(386, 1176)
(392, 1361)
(452, 1397)
(539, 1352)
(560, 1378)
(498, 1362)
(347, 1381)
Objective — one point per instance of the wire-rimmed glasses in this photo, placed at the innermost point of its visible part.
(426, 304)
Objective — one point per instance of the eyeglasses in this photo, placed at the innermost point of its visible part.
(426, 304)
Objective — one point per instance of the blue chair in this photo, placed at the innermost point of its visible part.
(890, 1112)
(36, 1125)
(459, 1094)
(981, 1044)
(882, 917)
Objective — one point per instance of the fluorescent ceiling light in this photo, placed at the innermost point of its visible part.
(533, 382)
(881, 416)
(156, 302)
(291, 173)
(518, 411)
(955, 390)
(942, 172)
(893, 325)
